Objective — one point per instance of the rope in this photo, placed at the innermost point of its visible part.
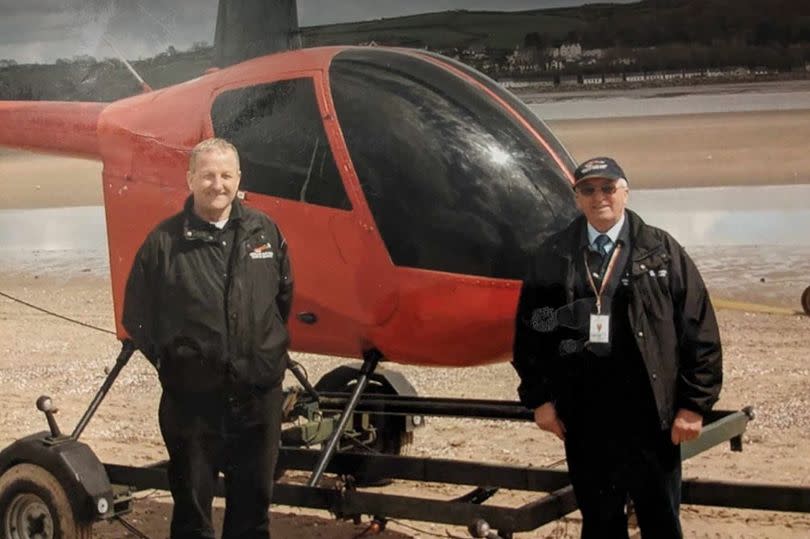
(57, 315)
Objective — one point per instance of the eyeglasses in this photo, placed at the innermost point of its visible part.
(589, 190)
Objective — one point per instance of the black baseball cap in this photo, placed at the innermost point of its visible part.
(603, 168)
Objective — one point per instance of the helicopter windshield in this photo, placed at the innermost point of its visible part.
(454, 181)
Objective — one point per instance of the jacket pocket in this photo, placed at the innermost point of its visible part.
(651, 277)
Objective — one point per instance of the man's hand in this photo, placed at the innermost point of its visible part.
(687, 426)
(546, 418)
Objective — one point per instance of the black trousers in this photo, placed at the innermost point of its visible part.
(235, 435)
(607, 469)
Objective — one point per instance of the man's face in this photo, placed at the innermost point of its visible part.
(214, 182)
(603, 210)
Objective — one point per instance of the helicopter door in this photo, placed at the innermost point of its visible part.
(289, 172)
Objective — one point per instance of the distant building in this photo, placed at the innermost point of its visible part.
(567, 52)
(523, 60)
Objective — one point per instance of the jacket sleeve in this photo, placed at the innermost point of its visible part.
(530, 358)
(700, 373)
(285, 290)
(139, 308)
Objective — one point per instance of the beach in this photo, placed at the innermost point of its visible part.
(765, 367)
(765, 355)
(690, 150)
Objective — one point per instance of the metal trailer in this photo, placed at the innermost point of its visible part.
(53, 486)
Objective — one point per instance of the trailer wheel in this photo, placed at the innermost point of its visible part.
(806, 301)
(392, 436)
(33, 505)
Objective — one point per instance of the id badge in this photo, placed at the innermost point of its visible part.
(600, 328)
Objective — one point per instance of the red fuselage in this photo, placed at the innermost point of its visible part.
(416, 306)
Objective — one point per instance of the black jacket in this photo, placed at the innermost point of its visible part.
(669, 311)
(209, 312)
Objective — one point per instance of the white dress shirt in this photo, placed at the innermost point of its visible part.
(612, 234)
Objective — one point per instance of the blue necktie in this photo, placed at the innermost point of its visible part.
(601, 243)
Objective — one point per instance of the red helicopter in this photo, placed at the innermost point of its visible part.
(411, 188)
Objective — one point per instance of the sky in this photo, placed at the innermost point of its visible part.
(34, 31)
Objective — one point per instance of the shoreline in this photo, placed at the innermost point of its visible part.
(531, 95)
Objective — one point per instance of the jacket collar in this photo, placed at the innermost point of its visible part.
(196, 228)
(642, 237)
(642, 240)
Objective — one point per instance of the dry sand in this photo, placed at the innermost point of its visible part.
(765, 354)
(765, 367)
(740, 148)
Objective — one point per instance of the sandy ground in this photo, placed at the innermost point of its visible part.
(765, 354)
(745, 148)
(749, 148)
(765, 367)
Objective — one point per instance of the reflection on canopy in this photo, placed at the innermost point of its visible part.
(454, 181)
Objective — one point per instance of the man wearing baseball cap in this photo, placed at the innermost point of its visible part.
(619, 355)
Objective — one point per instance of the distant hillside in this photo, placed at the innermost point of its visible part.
(643, 24)
(648, 35)
(452, 29)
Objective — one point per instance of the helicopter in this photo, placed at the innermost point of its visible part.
(411, 189)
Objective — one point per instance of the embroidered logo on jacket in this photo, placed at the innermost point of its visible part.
(261, 252)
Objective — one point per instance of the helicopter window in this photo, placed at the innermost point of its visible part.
(537, 123)
(454, 181)
(282, 144)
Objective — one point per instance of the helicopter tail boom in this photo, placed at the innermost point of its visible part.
(60, 128)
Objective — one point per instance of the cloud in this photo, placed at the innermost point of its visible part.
(43, 30)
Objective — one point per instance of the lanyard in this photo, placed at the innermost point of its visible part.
(605, 279)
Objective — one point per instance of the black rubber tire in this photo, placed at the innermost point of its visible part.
(806, 301)
(33, 505)
(392, 436)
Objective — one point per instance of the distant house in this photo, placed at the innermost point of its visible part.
(595, 54)
(523, 60)
(475, 52)
(567, 52)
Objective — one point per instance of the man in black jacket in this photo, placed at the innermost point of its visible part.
(619, 355)
(206, 302)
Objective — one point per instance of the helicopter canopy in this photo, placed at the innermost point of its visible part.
(454, 179)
